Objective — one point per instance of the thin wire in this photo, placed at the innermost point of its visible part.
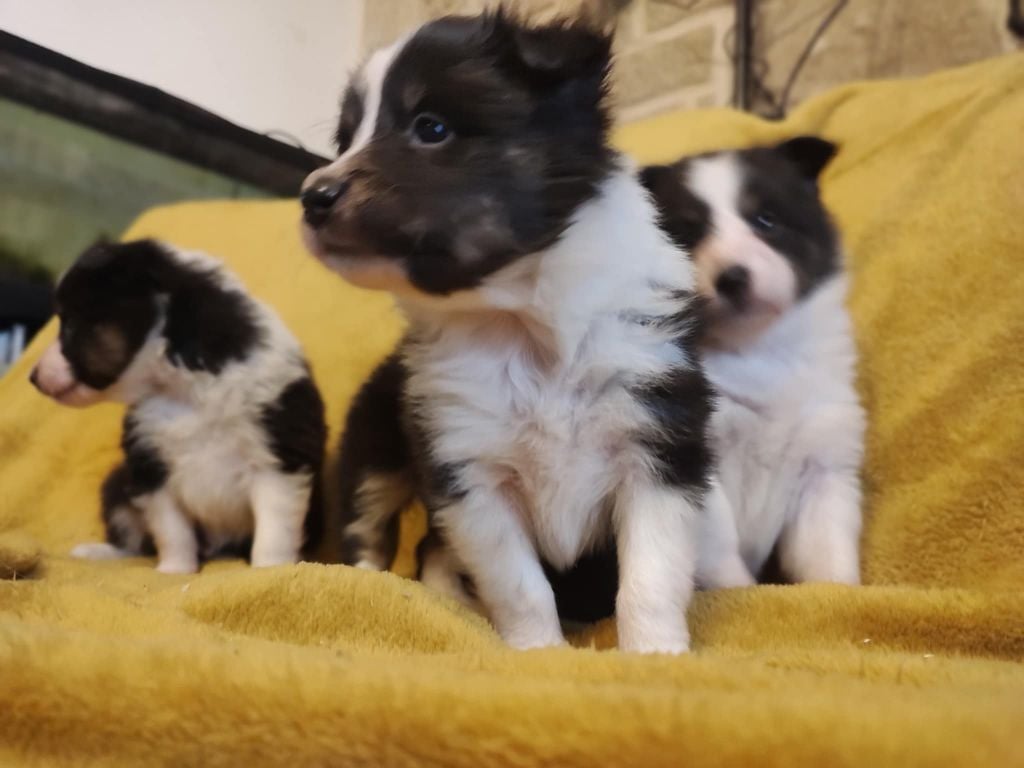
(289, 138)
(805, 54)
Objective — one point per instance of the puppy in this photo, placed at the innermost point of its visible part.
(777, 345)
(224, 434)
(550, 392)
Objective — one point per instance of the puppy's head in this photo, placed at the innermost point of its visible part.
(754, 225)
(122, 306)
(461, 148)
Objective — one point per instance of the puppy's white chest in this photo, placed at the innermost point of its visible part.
(549, 437)
(211, 463)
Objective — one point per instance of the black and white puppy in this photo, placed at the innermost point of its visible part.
(777, 344)
(552, 397)
(224, 433)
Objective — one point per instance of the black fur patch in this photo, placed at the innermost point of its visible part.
(777, 184)
(108, 302)
(143, 472)
(527, 144)
(297, 430)
(351, 117)
(207, 326)
(586, 591)
(146, 469)
(684, 216)
(681, 403)
(122, 521)
(374, 442)
(295, 424)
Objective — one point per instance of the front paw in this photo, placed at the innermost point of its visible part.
(178, 565)
(673, 646)
(649, 635)
(267, 559)
(533, 633)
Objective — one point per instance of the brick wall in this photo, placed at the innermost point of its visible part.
(676, 53)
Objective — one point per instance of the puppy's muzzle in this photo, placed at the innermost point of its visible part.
(319, 200)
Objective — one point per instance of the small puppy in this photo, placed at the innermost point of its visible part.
(224, 433)
(778, 347)
(551, 397)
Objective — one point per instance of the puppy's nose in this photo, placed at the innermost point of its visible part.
(318, 201)
(733, 285)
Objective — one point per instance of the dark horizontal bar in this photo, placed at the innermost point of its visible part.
(149, 117)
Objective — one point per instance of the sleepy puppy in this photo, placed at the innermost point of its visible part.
(550, 396)
(224, 433)
(777, 345)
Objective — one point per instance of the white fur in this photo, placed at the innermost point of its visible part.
(371, 85)
(717, 180)
(369, 81)
(789, 429)
(528, 376)
(206, 428)
(789, 433)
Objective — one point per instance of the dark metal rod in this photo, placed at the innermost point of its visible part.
(743, 55)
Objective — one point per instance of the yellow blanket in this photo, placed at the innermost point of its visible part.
(325, 665)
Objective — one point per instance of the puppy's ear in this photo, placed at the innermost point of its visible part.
(97, 255)
(810, 154)
(658, 179)
(554, 52)
(207, 324)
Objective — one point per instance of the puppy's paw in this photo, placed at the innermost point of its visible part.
(178, 565)
(668, 635)
(674, 647)
(98, 550)
(268, 559)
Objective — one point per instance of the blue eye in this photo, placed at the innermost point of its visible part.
(765, 220)
(430, 130)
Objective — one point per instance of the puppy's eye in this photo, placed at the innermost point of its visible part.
(764, 220)
(427, 129)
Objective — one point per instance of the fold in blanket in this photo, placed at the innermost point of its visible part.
(325, 665)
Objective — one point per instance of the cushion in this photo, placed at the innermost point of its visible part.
(323, 664)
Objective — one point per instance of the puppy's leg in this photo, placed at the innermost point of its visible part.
(375, 475)
(486, 533)
(126, 532)
(280, 503)
(370, 518)
(173, 533)
(656, 529)
(719, 564)
(821, 541)
(440, 571)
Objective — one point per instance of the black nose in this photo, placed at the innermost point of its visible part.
(733, 285)
(318, 201)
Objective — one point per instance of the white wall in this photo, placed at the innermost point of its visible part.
(264, 64)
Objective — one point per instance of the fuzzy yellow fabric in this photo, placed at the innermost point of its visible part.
(324, 665)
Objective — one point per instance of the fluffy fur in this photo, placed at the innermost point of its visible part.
(548, 389)
(777, 345)
(224, 433)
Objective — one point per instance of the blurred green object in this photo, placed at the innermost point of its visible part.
(63, 185)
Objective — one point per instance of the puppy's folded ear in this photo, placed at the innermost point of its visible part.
(810, 154)
(554, 52)
(658, 179)
(206, 323)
